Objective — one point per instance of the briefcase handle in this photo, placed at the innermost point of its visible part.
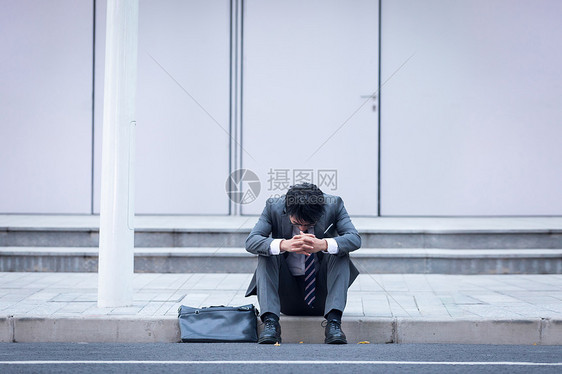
(245, 307)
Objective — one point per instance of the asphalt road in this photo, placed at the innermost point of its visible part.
(286, 358)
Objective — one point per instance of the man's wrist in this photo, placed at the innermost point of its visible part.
(332, 246)
(274, 247)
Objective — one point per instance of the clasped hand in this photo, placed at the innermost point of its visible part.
(304, 244)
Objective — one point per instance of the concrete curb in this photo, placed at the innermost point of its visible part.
(294, 330)
(6, 329)
(89, 329)
(526, 332)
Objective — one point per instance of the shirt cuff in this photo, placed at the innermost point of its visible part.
(332, 246)
(274, 247)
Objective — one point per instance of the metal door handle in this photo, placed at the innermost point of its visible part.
(374, 97)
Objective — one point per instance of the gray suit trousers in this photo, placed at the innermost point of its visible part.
(279, 291)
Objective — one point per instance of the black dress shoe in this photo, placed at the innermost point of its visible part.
(334, 334)
(271, 333)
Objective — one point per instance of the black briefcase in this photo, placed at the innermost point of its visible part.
(218, 324)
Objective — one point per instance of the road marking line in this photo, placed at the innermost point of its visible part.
(459, 363)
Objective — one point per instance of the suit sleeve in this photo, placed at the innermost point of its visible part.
(259, 240)
(348, 239)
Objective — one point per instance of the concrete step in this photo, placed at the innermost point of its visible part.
(187, 238)
(237, 260)
(225, 231)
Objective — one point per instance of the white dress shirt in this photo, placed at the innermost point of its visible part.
(295, 261)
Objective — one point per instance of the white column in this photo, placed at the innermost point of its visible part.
(116, 253)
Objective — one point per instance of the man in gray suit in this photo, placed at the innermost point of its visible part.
(303, 240)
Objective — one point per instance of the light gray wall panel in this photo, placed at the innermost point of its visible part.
(182, 146)
(45, 106)
(472, 124)
(306, 67)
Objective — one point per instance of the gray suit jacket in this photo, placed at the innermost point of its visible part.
(274, 223)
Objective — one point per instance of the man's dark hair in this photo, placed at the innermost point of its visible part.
(305, 202)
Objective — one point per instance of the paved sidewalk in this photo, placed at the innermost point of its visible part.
(382, 308)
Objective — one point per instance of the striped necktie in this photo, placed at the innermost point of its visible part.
(309, 280)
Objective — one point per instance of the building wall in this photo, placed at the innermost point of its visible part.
(472, 124)
(469, 106)
(45, 106)
(182, 142)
